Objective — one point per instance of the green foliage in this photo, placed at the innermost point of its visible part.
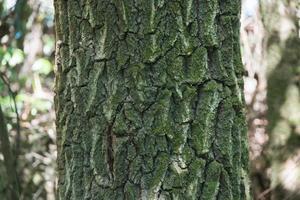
(26, 71)
(42, 66)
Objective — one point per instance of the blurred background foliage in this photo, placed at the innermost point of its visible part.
(26, 97)
(270, 47)
(270, 38)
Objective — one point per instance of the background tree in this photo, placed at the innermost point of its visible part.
(282, 53)
(149, 100)
(255, 89)
(9, 181)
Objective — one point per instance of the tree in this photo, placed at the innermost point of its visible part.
(9, 186)
(149, 100)
(282, 52)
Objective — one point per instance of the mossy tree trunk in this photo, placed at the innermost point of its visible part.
(149, 100)
(282, 53)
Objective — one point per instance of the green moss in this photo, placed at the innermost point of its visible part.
(225, 191)
(223, 131)
(208, 26)
(122, 55)
(145, 99)
(212, 181)
(187, 154)
(236, 159)
(120, 127)
(131, 191)
(174, 69)
(196, 69)
(202, 126)
(135, 174)
(230, 7)
(194, 178)
(154, 180)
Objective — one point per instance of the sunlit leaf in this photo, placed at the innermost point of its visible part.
(17, 57)
(42, 66)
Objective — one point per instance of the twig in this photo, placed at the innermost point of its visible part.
(13, 96)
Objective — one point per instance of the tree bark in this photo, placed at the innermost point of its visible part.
(149, 100)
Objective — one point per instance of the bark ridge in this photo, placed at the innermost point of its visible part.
(149, 100)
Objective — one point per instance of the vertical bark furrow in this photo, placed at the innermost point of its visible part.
(149, 100)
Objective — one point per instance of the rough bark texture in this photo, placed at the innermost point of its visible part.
(282, 53)
(149, 100)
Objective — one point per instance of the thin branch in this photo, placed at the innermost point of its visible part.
(5, 80)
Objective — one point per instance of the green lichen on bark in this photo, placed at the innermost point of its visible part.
(148, 100)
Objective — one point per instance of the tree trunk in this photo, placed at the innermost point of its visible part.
(9, 184)
(149, 100)
(282, 53)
